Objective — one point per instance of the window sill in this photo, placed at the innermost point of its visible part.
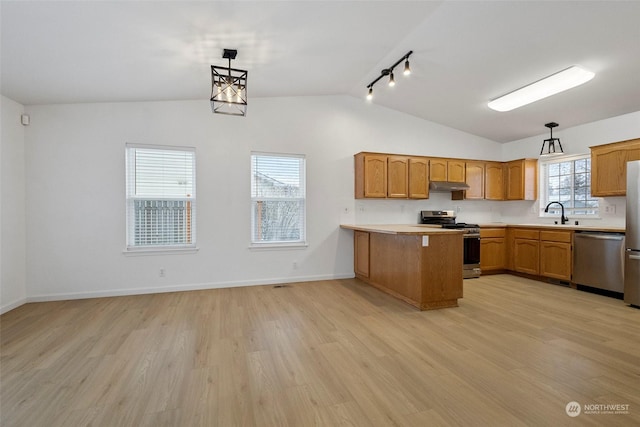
(277, 246)
(160, 251)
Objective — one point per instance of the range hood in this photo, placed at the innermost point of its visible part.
(445, 186)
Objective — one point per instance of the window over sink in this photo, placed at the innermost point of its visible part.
(567, 180)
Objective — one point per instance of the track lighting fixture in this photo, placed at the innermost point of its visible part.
(228, 87)
(389, 72)
(550, 143)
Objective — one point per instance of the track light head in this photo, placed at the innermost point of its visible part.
(392, 81)
(370, 94)
(407, 69)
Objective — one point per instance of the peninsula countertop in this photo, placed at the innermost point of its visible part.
(417, 229)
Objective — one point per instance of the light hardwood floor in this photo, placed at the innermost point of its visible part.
(327, 353)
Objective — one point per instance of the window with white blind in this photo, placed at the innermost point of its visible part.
(567, 180)
(161, 197)
(278, 199)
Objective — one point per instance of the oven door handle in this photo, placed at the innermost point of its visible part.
(471, 235)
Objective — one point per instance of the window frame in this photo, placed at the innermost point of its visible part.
(543, 195)
(130, 198)
(279, 244)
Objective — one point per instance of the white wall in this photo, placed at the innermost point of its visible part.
(575, 140)
(13, 290)
(75, 189)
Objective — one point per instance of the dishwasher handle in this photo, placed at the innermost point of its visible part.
(618, 237)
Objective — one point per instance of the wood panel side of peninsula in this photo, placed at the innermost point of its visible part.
(418, 265)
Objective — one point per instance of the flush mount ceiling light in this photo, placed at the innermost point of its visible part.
(389, 72)
(555, 83)
(550, 143)
(228, 88)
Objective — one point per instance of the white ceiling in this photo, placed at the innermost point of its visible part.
(465, 54)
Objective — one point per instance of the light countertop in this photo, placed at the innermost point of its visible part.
(417, 229)
(570, 227)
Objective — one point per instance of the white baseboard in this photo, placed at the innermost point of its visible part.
(15, 304)
(179, 288)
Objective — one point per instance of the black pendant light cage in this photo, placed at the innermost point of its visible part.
(229, 88)
(550, 143)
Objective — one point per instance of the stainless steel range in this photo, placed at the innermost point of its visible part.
(471, 247)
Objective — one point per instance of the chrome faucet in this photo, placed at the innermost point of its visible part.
(563, 219)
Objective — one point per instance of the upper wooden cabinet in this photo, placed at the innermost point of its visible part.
(494, 181)
(391, 176)
(418, 178)
(451, 170)
(371, 175)
(397, 177)
(609, 167)
(522, 179)
(475, 180)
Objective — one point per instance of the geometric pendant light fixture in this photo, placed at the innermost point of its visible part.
(228, 87)
(549, 145)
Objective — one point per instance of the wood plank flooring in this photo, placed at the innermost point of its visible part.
(327, 353)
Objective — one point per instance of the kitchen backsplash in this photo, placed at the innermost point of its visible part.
(612, 211)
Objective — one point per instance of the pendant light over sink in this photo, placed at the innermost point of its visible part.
(549, 145)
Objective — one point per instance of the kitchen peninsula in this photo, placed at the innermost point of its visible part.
(418, 264)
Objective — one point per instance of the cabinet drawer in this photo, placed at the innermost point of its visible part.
(556, 236)
(492, 232)
(523, 233)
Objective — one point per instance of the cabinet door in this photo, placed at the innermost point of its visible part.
(418, 178)
(493, 181)
(515, 180)
(492, 254)
(456, 170)
(555, 260)
(522, 179)
(397, 176)
(361, 251)
(526, 256)
(609, 167)
(375, 176)
(437, 169)
(475, 179)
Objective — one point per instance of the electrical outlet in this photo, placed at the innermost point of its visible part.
(295, 265)
(610, 209)
(162, 272)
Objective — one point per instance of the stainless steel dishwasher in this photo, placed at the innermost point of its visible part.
(598, 260)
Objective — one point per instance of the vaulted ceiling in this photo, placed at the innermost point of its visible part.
(465, 54)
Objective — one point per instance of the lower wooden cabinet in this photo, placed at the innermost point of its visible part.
(493, 250)
(361, 253)
(540, 252)
(526, 255)
(555, 254)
